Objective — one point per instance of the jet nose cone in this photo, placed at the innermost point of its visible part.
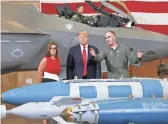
(20, 111)
(3, 111)
(6, 96)
(43, 92)
(14, 96)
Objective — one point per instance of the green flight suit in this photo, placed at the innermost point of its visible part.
(117, 61)
(78, 18)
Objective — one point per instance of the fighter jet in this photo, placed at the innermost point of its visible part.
(26, 32)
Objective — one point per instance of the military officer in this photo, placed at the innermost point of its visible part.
(117, 57)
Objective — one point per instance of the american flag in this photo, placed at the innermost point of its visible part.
(149, 14)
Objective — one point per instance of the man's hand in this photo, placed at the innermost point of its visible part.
(139, 54)
(92, 52)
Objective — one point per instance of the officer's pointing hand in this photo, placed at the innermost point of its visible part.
(140, 54)
(92, 52)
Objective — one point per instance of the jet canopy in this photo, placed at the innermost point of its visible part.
(104, 19)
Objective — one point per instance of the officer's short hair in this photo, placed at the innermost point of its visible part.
(79, 5)
(112, 32)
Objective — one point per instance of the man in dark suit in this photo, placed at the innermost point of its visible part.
(80, 62)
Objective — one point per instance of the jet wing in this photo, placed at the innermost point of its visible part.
(65, 100)
(12, 26)
(68, 101)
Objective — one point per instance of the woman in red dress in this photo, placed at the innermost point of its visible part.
(50, 66)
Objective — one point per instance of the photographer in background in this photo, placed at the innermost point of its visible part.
(162, 69)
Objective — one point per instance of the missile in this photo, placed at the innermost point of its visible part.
(134, 111)
(46, 110)
(33, 110)
(42, 110)
(113, 111)
(87, 89)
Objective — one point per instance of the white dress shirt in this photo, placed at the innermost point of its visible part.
(86, 47)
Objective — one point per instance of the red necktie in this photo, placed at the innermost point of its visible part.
(84, 61)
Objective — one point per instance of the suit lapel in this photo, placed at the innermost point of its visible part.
(89, 56)
(80, 54)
